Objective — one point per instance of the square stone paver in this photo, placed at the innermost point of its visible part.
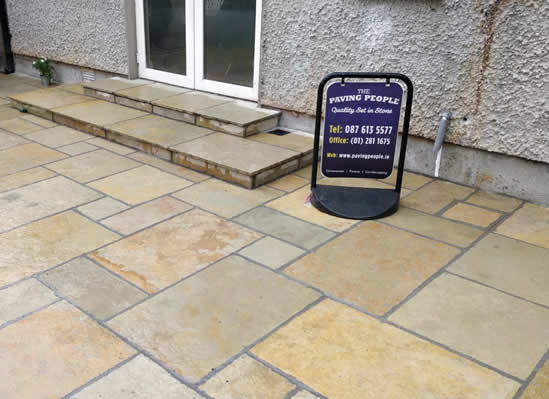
(495, 328)
(341, 353)
(434, 227)
(145, 215)
(297, 204)
(50, 98)
(111, 85)
(140, 184)
(76, 88)
(203, 321)
(509, 265)
(102, 208)
(45, 123)
(44, 198)
(19, 126)
(23, 178)
(271, 252)
(411, 181)
(163, 254)
(180, 171)
(373, 266)
(22, 298)
(8, 140)
(151, 92)
(494, 201)
(77, 148)
(48, 242)
(246, 378)
(240, 113)
(26, 156)
(289, 183)
(8, 112)
(472, 214)
(58, 136)
(70, 350)
(92, 165)
(306, 172)
(285, 227)
(109, 145)
(191, 102)
(539, 386)
(435, 196)
(140, 378)
(92, 288)
(530, 224)
(99, 113)
(225, 199)
(291, 141)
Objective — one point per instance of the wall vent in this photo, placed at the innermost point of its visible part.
(88, 75)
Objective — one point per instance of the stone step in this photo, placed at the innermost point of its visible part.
(222, 114)
(248, 161)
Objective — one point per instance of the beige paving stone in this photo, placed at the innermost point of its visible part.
(435, 196)
(180, 171)
(342, 353)
(509, 265)
(99, 113)
(304, 395)
(306, 172)
(373, 266)
(271, 252)
(140, 378)
(111, 146)
(434, 227)
(92, 288)
(92, 165)
(241, 113)
(8, 112)
(530, 224)
(102, 208)
(363, 183)
(296, 142)
(192, 101)
(246, 378)
(46, 243)
(495, 328)
(77, 148)
(289, 183)
(8, 140)
(411, 181)
(539, 387)
(39, 121)
(26, 156)
(76, 88)
(140, 184)
(58, 136)
(472, 215)
(145, 215)
(203, 321)
(225, 199)
(151, 92)
(50, 98)
(113, 84)
(70, 350)
(296, 204)
(23, 178)
(22, 298)
(163, 254)
(35, 201)
(494, 201)
(19, 126)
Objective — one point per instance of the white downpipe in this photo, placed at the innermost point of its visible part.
(437, 162)
(437, 148)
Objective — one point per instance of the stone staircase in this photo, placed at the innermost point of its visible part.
(220, 136)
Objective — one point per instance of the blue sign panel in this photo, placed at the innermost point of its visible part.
(361, 129)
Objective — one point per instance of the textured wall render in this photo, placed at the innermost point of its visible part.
(88, 33)
(487, 61)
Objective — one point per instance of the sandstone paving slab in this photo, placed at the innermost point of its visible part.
(246, 378)
(99, 113)
(49, 98)
(151, 92)
(180, 171)
(22, 298)
(110, 85)
(48, 242)
(8, 112)
(140, 184)
(306, 172)
(35, 201)
(19, 126)
(225, 199)
(7, 90)
(163, 254)
(140, 378)
(509, 265)
(304, 395)
(241, 113)
(92, 288)
(8, 140)
(289, 183)
(76, 88)
(23, 178)
(271, 252)
(295, 142)
(145, 215)
(77, 148)
(342, 353)
(472, 214)
(373, 266)
(498, 329)
(102, 208)
(201, 322)
(191, 102)
(284, 227)
(434, 227)
(70, 350)
(26, 156)
(109, 145)
(435, 196)
(39, 121)
(539, 386)
(57, 136)
(494, 201)
(411, 181)
(530, 223)
(92, 165)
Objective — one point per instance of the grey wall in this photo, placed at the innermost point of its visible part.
(487, 61)
(89, 33)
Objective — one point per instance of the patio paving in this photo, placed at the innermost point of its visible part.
(125, 276)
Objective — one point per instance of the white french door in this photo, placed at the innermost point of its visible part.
(210, 45)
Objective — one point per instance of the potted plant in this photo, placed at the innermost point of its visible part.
(46, 70)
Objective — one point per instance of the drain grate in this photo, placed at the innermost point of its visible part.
(279, 132)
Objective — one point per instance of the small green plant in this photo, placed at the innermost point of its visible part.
(43, 66)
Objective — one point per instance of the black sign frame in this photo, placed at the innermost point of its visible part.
(355, 202)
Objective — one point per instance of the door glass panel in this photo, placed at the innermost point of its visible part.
(229, 41)
(165, 35)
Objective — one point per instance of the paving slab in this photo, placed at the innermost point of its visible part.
(472, 214)
(22, 298)
(71, 350)
(530, 223)
(49, 98)
(163, 254)
(111, 85)
(435, 196)
(57, 136)
(246, 378)
(494, 201)
(341, 353)
(48, 242)
(77, 148)
(26, 156)
(191, 102)
(288, 183)
(98, 113)
(215, 314)
(39, 121)
(20, 179)
(539, 386)
(172, 168)
(495, 328)
(241, 113)
(304, 395)
(109, 145)
(373, 266)
(76, 88)
(19, 126)
(8, 112)
(8, 140)
(102, 208)
(295, 142)
(411, 181)
(151, 92)
(271, 252)
(306, 172)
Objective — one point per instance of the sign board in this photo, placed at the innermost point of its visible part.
(361, 129)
